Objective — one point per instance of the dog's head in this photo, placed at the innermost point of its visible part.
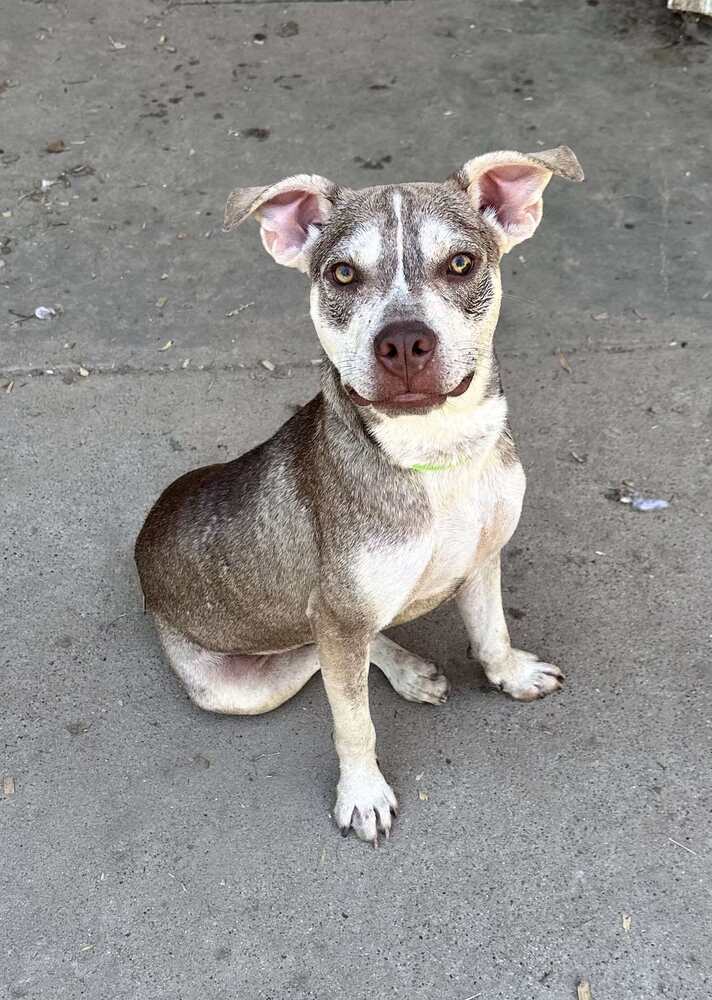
(405, 278)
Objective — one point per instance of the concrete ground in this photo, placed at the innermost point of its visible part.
(154, 852)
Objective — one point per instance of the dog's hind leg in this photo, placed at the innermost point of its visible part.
(235, 684)
(413, 678)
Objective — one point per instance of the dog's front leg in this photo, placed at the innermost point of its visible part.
(520, 674)
(364, 799)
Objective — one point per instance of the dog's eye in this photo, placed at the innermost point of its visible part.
(343, 273)
(460, 264)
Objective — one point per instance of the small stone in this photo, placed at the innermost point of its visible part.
(78, 728)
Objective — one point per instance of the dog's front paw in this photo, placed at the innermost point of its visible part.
(523, 676)
(365, 803)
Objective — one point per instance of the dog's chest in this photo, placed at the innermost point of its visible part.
(470, 518)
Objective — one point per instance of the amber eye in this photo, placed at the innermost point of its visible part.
(460, 264)
(343, 273)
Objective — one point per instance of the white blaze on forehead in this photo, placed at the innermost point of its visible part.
(364, 246)
(437, 238)
(399, 282)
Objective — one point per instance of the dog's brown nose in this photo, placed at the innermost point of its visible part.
(405, 348)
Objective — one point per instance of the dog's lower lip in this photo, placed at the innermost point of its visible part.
(412, 399)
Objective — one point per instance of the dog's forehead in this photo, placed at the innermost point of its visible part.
(366, 224)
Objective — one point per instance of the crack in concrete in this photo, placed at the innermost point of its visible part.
(210, 367)
(283, 371)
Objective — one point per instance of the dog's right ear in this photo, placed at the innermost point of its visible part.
(289, 213)
(507, 188)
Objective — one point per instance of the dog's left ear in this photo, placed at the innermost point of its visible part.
(288, 212)
(507, 188)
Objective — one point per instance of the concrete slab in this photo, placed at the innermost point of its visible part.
(153, 851)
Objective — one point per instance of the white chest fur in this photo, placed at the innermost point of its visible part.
(473, 513)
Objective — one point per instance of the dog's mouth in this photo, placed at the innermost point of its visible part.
(411, 400)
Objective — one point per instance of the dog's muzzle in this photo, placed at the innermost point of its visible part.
(409, 378)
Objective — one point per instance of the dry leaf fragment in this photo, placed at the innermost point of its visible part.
(8, 786)
(627, 921)
(564, 362)
(162, 301)
(423, 795)
(267, 364)
(167, 346)
(84, 372)
(584, 990)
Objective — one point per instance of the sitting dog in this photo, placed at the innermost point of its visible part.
(391, 492)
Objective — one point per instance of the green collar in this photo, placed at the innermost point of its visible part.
(425, 467)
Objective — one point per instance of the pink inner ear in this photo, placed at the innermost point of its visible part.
(514, 192)
(286, 219)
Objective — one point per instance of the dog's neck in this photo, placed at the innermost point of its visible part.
(463, 431)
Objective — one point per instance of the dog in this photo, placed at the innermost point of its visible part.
(391, 492)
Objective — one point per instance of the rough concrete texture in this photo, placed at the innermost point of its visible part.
(153, 851)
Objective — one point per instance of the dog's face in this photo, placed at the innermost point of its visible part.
(405, 279)
(405, 293)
